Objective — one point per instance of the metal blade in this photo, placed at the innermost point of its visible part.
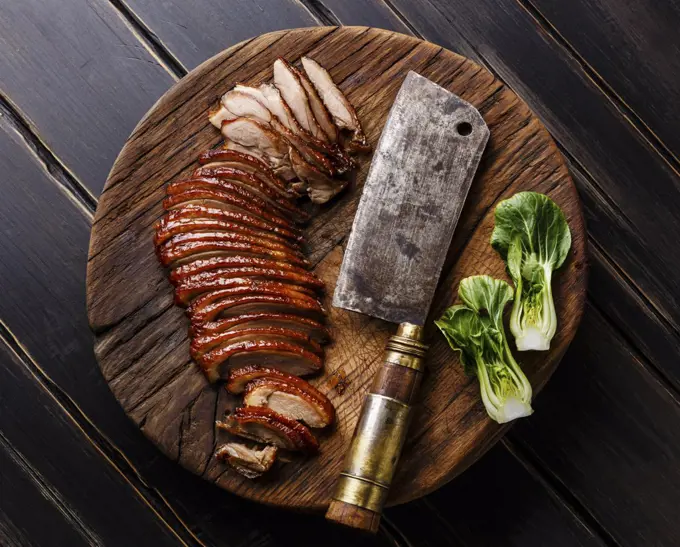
(414, 193)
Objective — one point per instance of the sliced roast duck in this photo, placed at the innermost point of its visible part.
(232, 240)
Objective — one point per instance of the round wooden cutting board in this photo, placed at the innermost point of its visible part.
(141, 336)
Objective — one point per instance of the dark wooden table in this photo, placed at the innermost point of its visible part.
(599, 462)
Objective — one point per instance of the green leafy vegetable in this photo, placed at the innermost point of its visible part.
(532, 236)
(475, 329)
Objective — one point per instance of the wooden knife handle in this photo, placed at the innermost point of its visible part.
(374, 452)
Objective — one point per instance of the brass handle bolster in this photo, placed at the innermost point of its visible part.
(378, 439)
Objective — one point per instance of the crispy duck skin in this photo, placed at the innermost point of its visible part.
(193, 211)
(284, 354)
(295, 399)
(252, 237)
(167, 228)
(183, 253)
(313, 329)
(238, 190)
(301, 279)
(228, 171)
(266, 426)
(200, 345)
(204, 304)
(254, 185)
(240, 160)
(186, 292)
(230, 262)
(248, 461)
(342, 111)
(223, 200)
(239, 378)
(261, 302)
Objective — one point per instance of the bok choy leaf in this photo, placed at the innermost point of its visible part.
(532, 236)
(475, 329)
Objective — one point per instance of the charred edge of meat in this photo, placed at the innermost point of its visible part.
(315, 330)
(295, 399)
(283, 354)
(265, 425)
(200, 345)
(201, 311)
(251, 462)
(195, 211)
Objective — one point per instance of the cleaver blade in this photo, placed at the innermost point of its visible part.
(419, 178)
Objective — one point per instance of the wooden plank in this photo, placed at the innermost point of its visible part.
(609, 431)
(495, 502)
(83, 91)
(611, 159)
(195, 31)
(39, 437)
(375, 13)
(630, 48)
(32, 514)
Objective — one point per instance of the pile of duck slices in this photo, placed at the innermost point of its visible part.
(232, 239)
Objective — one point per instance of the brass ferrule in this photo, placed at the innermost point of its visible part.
(380, 434)
(406, 348)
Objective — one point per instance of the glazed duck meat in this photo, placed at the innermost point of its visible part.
(269, 427)
(232, 241)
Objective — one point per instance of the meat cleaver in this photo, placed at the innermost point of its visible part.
(414, 193)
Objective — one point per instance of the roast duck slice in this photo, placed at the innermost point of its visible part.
(225, 262)
(269, 427)
(286, 394)
(221, 199)
(277, 351)
(278, 206)
(220, 157)
(257, 296)
(251, 462)
(213, 279)
(188, 211)
(311, 328)
(342, 111)
(187, 291)
(201, 345)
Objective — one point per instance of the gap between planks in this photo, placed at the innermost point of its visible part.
(628, 113)
(112, 454)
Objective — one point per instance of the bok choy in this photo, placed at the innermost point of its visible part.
(532, 236)
(475, 329)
